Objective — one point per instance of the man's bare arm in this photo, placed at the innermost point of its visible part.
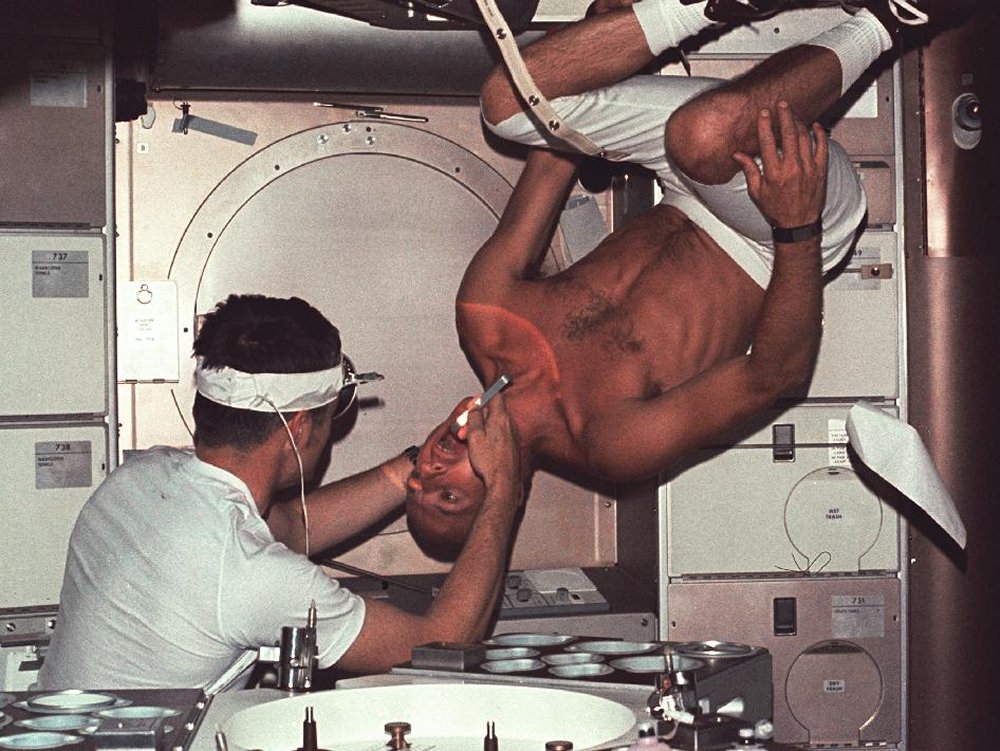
(464, 606)
(522, 236)
(790, 190)
(343, 508)
(642, 437)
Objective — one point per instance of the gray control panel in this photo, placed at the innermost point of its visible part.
(546, 592)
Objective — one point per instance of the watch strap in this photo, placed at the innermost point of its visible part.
(797, 234)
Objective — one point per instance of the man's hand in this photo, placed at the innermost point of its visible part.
(789, 187)
(465, 605)
(494, 450)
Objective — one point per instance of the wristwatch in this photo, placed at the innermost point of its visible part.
(797, 234)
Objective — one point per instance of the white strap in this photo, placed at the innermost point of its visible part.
(530, 93)
(919, 17)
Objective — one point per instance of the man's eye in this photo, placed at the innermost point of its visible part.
(448, 496)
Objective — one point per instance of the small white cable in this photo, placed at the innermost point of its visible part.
(302, 475)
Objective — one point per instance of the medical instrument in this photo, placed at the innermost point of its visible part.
(481, 401)
(297, 655)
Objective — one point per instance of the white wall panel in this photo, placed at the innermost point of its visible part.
(52, 298)
(47, 474)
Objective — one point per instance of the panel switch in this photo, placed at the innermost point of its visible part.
(783, 442)
(785, 618)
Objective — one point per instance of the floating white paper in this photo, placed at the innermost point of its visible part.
(894, 451)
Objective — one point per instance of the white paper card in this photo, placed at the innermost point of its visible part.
(893, 450)
(148, 332)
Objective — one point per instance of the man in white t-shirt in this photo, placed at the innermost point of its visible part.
(180, 562)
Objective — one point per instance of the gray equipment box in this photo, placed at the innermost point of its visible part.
(835, 643)
(785, 500)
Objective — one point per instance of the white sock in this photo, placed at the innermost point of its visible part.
(858, 42)
(666, 23)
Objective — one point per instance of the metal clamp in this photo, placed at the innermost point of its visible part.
(876, 271)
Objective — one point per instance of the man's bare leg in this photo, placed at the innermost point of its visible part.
(704, 133)
(595, 52)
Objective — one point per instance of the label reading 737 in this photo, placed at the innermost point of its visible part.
(60, 273)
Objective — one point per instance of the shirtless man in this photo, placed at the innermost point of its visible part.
(640, 352)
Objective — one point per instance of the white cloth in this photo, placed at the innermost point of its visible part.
(630, 117)
(269, 392)
(172, 574)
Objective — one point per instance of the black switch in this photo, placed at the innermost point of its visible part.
(785, 620)
(783, 442)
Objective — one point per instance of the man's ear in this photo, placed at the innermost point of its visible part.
(301, 425)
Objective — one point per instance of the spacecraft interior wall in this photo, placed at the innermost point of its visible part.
(371, 221)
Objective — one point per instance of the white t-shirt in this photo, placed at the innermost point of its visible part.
(172, 574)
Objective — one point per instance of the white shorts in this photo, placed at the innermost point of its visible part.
(630, 118)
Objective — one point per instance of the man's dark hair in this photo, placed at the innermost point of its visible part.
(258, 334)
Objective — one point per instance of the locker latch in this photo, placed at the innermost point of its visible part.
(876, 271)
(783, 442)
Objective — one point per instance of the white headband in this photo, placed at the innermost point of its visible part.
(269, 392)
